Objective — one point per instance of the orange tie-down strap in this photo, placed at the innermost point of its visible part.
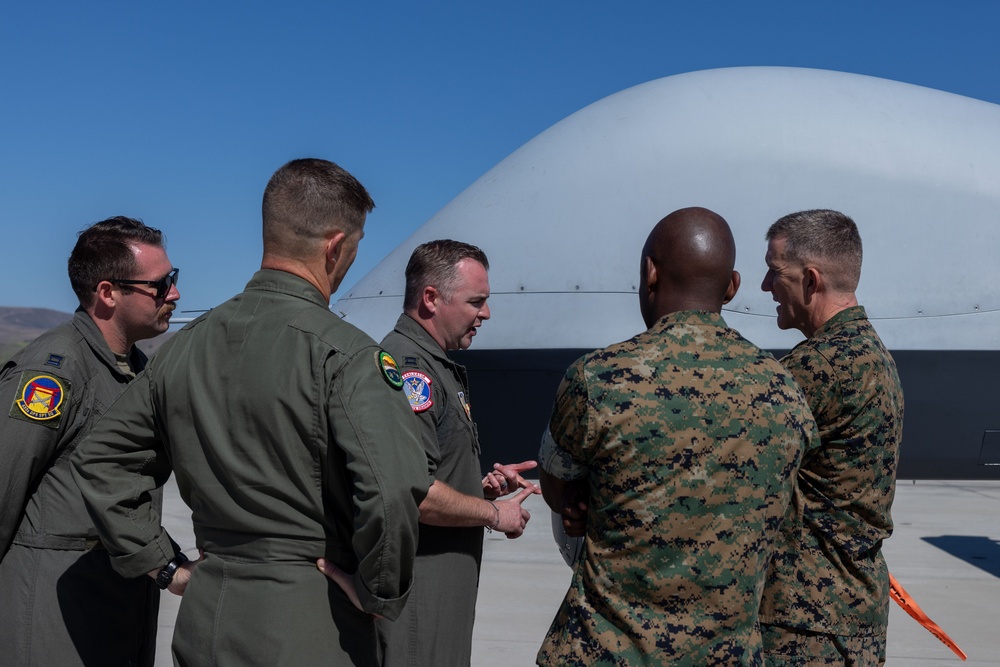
(903, 599)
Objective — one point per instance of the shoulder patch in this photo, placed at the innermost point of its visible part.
(390, 371)
(418, 390)
(38, 398)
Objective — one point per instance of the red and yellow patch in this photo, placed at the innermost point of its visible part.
(39, 398)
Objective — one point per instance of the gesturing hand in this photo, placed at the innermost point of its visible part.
(504, 479)
(512, 517)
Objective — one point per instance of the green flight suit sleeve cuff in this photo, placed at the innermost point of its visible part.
(153, 556)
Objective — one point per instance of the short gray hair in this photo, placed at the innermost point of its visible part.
(822, 235)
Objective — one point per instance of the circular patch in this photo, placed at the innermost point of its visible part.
(418, 390)
(390, 371)
(41, 397)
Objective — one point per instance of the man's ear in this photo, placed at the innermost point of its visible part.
(104, 295)
(335, 247)
(812, 282)
(734, 287)
(651, 275)
(430, 298)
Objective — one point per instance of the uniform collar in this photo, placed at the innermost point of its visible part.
(846, 315)
(705, 317)
(271, 280)
(410, 328)
(85, 324)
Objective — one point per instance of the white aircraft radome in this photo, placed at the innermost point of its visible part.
(564, 217)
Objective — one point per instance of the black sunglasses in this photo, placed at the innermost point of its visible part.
(162, 285)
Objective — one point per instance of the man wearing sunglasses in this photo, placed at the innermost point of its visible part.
(62, 603)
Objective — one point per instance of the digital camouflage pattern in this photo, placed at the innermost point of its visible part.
(828, 573)
(785, 647)
(690, 437)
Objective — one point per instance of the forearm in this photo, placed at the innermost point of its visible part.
(444, 506)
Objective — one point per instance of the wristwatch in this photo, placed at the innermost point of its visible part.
(166, 575)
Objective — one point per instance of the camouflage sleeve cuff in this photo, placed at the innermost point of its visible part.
(557, 461)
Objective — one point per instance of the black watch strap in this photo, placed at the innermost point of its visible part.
(166, 575)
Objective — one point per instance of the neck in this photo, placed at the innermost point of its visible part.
(301, 269)
(113, 335)
(833, 304)
(426, 322)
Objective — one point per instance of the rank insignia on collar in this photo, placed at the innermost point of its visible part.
(389, 369)
(417, 387)
(39, 398)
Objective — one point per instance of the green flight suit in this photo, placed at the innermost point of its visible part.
(61, 603)
(435, 627)
(290, 441)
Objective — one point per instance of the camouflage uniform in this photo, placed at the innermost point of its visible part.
(689, 437)
(828, 574)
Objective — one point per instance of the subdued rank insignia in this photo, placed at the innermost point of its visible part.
(418, 390)
(409, 361)
(389, 369)
(465, 404)
(39, 398)
(54, 360)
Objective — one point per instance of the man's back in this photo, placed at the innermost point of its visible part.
(244, 395)
(691, 437)
(290, 441)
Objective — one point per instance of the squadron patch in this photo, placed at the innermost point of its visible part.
(390, 371)
(418, 390)
(39, 398)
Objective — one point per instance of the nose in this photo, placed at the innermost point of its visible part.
(766, 284)
(173, 294)
(484, 313)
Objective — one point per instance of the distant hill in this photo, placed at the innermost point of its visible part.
(20, 326)
(16, 323)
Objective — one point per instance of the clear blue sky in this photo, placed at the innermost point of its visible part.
(178, 112)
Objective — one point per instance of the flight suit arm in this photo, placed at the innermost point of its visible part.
(27, 444)
(117, 467)
(371, 422)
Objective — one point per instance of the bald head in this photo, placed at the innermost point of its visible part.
(687, 264)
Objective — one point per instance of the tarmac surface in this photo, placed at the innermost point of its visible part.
(945, 552)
